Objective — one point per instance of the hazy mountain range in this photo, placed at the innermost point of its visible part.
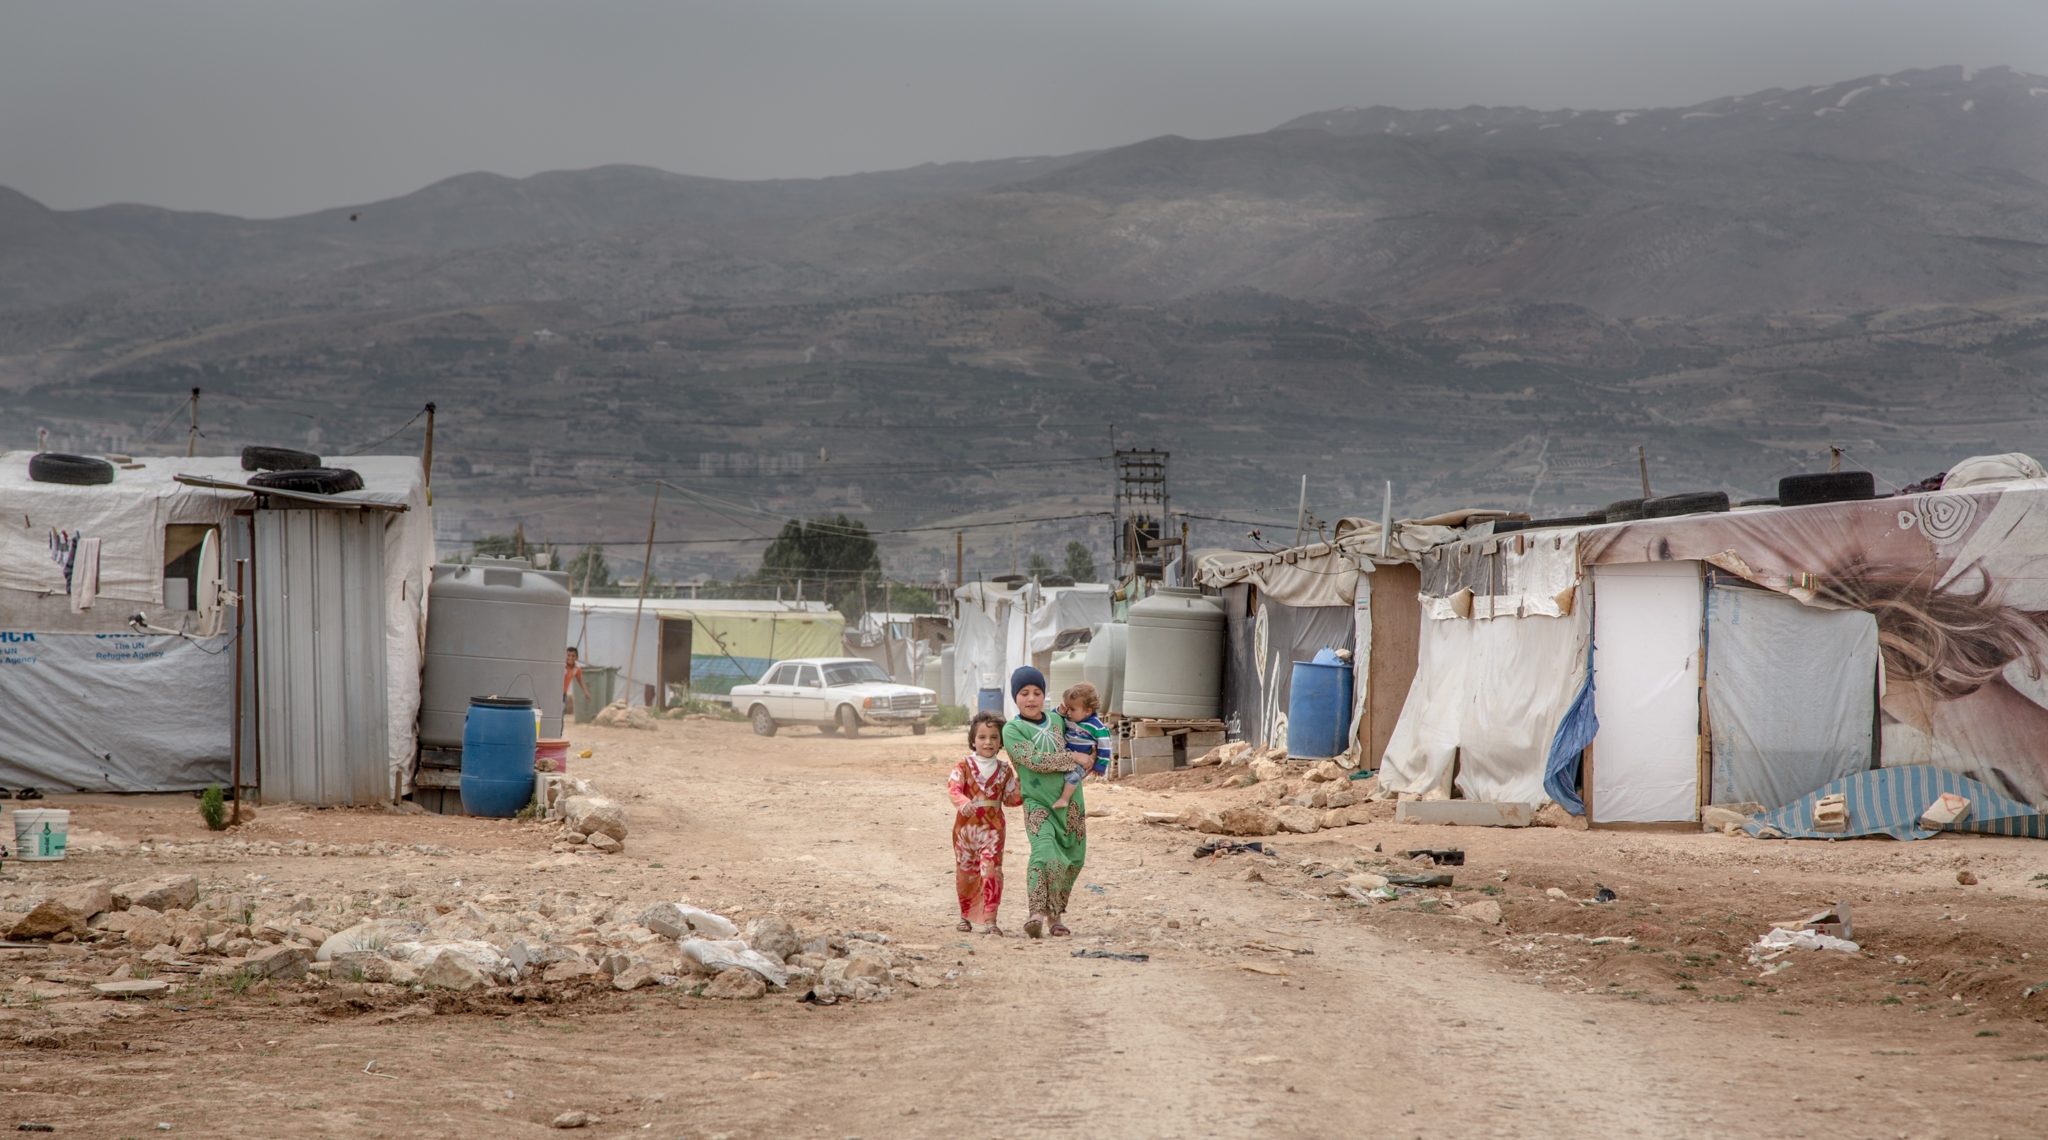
(1472, 302)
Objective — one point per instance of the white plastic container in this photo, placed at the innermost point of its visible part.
(40, 833)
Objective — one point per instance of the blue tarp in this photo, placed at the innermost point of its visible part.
(1888, 801)
(1574, 733)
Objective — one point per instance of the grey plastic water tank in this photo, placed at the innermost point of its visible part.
(1104, 665)
(494, 628)
(1173, 664)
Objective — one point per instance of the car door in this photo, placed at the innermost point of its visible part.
(809, 701)
(777, 688)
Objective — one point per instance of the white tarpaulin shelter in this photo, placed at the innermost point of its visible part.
(712, 644)
(998, 629)
(89, 702)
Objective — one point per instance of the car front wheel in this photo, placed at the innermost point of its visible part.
(764, 725)
(849, 720)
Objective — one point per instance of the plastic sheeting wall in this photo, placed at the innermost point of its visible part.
(320, 649)
(1791, 694)
(1646, 692)
(114, 712)
(1488, 696)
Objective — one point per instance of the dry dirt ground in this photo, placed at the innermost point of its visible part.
(1267, 1007)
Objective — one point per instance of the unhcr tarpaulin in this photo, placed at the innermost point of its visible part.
(730, 642)
(115, 712)
(1890, 801)
(1957, 582)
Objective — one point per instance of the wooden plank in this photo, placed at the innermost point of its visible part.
(1396, 608)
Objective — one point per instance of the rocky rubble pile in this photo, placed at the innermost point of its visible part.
(1285, 797)
(169, 930)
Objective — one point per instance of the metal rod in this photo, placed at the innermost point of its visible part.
(1301, 513)
(192, 437)
(236, 775)
(1643, 464)
(256, 657)
(959, 558)
(646, 572)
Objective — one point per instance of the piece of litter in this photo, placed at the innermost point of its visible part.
(764, 1075)
(1112, 954)
(1779, 940)
(1262, 968)
(1264, 1059)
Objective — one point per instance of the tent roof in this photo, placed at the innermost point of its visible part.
(734, 607)
(386, 478)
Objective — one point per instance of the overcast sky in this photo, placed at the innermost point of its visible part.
(269, 107)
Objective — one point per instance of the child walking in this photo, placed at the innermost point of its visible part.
(981, 786)
(1086, 736)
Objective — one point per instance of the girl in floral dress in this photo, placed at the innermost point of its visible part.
(981, 786)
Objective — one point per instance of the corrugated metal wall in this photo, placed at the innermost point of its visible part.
(319, 610)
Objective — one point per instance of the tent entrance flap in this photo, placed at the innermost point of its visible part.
(1647, 657)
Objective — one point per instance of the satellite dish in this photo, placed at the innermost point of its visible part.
(208, 586)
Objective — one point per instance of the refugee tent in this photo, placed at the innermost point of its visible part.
(698, 645)
(998, 627)
(1282, 607)
(117, 650)
(1753, 655)
(891, 641)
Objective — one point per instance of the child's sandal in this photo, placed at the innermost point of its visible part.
(965, 927)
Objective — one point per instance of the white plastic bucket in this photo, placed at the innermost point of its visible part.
(40, 833)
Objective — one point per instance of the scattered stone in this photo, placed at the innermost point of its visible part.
(1484, 911)
(1266, 771)
(619, 714)
(590, 815)
(577, 1119)
(772, 935)
(638, 974)
(1557, 893)
(279, 962)
(372, 936)
(604, 844)
(89, 899)
(1326, 771)
(50, 918)
(571, 970)
(1341, 796)
(1248, 820)
(361, 966)
(681, 920)
(1966, 878)
(738, 985)
(131, 987)
(1299, 820)
(165, 892)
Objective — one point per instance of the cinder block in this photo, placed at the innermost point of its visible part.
(1143, 764)
(1150, 747)
(1200, 742)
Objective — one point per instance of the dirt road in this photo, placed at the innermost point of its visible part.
(1266, 1007)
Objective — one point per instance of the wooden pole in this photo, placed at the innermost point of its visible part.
(192, 436)
(959, 558)
(235, 777)
(1643, 465)
(646, 572)
(1301, 512)
(427, 461)
(1834, 458)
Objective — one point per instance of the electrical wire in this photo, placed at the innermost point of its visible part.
(394, 435)
(828, 527)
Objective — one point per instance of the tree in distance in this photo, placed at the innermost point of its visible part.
(834, 557)
(589, 570)
(1037, 566)
(1080, 563)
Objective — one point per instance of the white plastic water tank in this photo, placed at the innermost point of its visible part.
(1104, 666)
(1173, 664)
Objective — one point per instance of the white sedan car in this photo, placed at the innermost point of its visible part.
(838, 694)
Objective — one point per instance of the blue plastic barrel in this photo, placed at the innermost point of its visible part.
(991, 701)
(497, 756)
(1319, 710)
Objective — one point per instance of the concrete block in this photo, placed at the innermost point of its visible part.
(1152, 747)
(1465, 813)
(1200, 742)
(1143, 764)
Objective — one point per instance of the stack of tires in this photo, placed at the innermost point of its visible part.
(282, 469)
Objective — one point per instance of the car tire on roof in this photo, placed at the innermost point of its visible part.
(1826, 487)
(1567, 520)
(76, 470)
(1622, 510)
(1685, 503)
(1509, 526)
(278, 459)
(311, 480)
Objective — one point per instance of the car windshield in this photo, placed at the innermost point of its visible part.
(853, 673)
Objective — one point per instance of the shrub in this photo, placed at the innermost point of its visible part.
(213, 808)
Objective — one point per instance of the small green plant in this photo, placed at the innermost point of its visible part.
(950, 716)
(531, 811)
(1987, 1033)
(213, 808)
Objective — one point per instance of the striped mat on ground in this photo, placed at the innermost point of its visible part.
(1889, 801)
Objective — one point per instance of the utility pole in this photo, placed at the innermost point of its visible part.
(959, 558)
(1643, 465)
(1301, 512)
(427, 463)
(1834, 458)
(192, 437)
(646, 572)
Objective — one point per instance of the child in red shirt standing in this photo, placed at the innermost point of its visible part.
(981, 786)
